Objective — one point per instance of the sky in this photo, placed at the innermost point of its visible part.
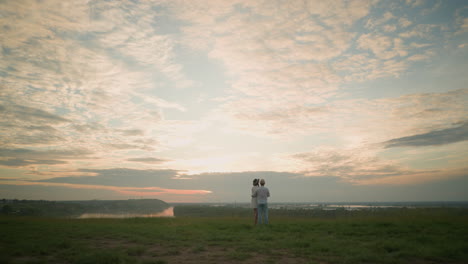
(189, 101)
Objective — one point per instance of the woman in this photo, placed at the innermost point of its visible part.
(253, 203)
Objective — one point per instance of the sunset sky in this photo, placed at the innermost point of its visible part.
(189, 101)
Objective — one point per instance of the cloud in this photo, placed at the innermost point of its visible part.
(30, 138)
(262, 117)
(12, 112)
(404, 22)
(397, 117)
(363, 166)
(419, 177)
(410, 114)
(131, 132)
(32, 126)
(340, 12)
(306, 189)
(381, 46)
(119, 177)
(34, 154)
(132, 191)
(22, 162)
(351, 165)
(276, 55)
(45, 154)
(120, 180)
(206, 187)
(149, 160)
(227, 186)
(375, 22)
(22, 157)
(422, 57)
(84, 75)
(415, 3)
(127, 146)
(437, 137)
(163, 183)
(390, 28)
(90, 127)
(282, 64)
(152, 191)
(421, 31)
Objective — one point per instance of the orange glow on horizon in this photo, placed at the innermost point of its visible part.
(134, 191)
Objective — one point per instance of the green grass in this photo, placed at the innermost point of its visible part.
(431, 238)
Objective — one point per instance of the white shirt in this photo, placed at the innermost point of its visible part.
(262, 195)
(253, 203)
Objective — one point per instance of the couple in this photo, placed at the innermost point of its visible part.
(259, 202)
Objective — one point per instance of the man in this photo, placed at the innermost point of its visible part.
(262, 195)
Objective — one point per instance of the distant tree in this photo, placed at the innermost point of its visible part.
(7, 209)
(30, 211)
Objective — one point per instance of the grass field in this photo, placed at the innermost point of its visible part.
(437, 237)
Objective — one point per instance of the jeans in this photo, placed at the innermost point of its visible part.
(263, 213)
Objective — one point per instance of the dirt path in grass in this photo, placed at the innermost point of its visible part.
(215, 254)
(159, 253)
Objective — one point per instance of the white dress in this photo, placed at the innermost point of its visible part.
(253, 202)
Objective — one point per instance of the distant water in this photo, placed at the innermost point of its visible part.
(169, 212)
(351, 205)
(371, 205)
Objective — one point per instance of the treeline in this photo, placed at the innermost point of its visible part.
(152, 206)
(77, 208)
(229, 211)
(200, 210)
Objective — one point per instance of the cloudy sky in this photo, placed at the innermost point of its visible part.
(188, 101)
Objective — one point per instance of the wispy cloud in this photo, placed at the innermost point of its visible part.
(48, 154)
(32, 159)
(12, 112)
(122, 181)
(364, 167)
(281, 60)
(149, 160)
(353, 165)
(437, 137)
(14, 162)
(278, 54)
(82, 73)
(33, 126)
(133, 191)
(414, 3)
(418, 177)
(119, 177)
